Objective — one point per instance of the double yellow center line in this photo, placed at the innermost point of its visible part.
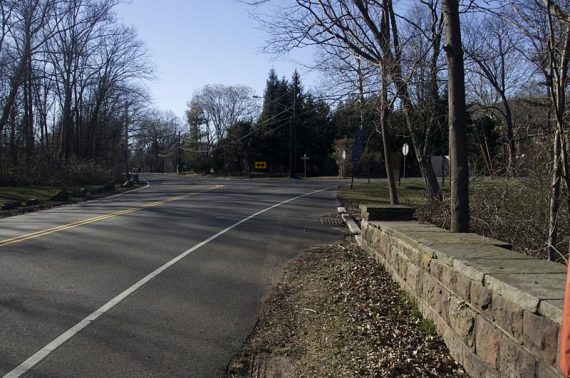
(100, 218)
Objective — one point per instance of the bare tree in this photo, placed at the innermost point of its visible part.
(80, 28)
(546, 27)
(421, 61)
(224, 105)
(494, 49)
(157, 141)
(25, 29)
(117, 66)
(370, 31)
(558, 56)
(362, 78)
(66, 70)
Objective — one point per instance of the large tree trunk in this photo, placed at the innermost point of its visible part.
(457, 120)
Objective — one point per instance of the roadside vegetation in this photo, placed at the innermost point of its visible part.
(510, 209)
(24, 199)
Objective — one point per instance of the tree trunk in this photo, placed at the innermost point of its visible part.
(29, 114)
(430, 179)
(554, 200)
(385, 75)
(10, 99)
(386, 140)
(457, 120)
(558, 63)
(510, 136)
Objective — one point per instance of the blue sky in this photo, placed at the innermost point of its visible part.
(193, 43)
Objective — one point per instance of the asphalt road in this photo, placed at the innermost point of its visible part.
(72, 303)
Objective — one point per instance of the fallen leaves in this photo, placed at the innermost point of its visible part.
(338, 313)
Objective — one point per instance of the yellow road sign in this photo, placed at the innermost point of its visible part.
(260, 165)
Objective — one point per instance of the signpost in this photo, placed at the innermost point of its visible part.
(305, 158)
(343, 168)
(260, 165)
(405, 150)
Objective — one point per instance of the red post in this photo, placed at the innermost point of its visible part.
(565, 330)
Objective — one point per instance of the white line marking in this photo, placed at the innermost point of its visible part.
(130, 191)
(57, 342)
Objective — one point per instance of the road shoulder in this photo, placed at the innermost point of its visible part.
(336, 312)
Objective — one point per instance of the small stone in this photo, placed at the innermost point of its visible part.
(79, 192)
(62, 196)
(32, 202)
(11, 205)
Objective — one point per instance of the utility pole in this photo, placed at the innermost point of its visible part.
(305, 158)
(361, 110)
(127, 175)
(179, 155)
(292, 165)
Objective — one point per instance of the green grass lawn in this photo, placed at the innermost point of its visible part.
(10, 194)
(411, 191)
(24, 193)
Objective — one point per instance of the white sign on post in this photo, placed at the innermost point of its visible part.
(405, 150)
(305, 158)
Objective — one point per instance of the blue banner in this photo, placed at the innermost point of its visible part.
(358, 146)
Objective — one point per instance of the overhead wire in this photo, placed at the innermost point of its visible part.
(265, 122)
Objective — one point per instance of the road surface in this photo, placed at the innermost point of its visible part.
(164, 281)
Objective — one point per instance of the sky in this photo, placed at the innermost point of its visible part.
(192, 43)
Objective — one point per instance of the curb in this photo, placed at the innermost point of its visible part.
(351, 224)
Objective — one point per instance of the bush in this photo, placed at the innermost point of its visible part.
(74, 172)
(513, 209)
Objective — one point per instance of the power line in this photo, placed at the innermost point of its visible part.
(267, 121)
(284, 122)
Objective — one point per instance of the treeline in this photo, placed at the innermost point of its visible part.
(229, 133)
(70, 76)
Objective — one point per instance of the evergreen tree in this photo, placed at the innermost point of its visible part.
(273, 125)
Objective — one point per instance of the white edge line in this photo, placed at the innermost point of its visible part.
(57, 342)
(129, 191)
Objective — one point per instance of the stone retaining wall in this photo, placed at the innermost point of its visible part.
(498, 311)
